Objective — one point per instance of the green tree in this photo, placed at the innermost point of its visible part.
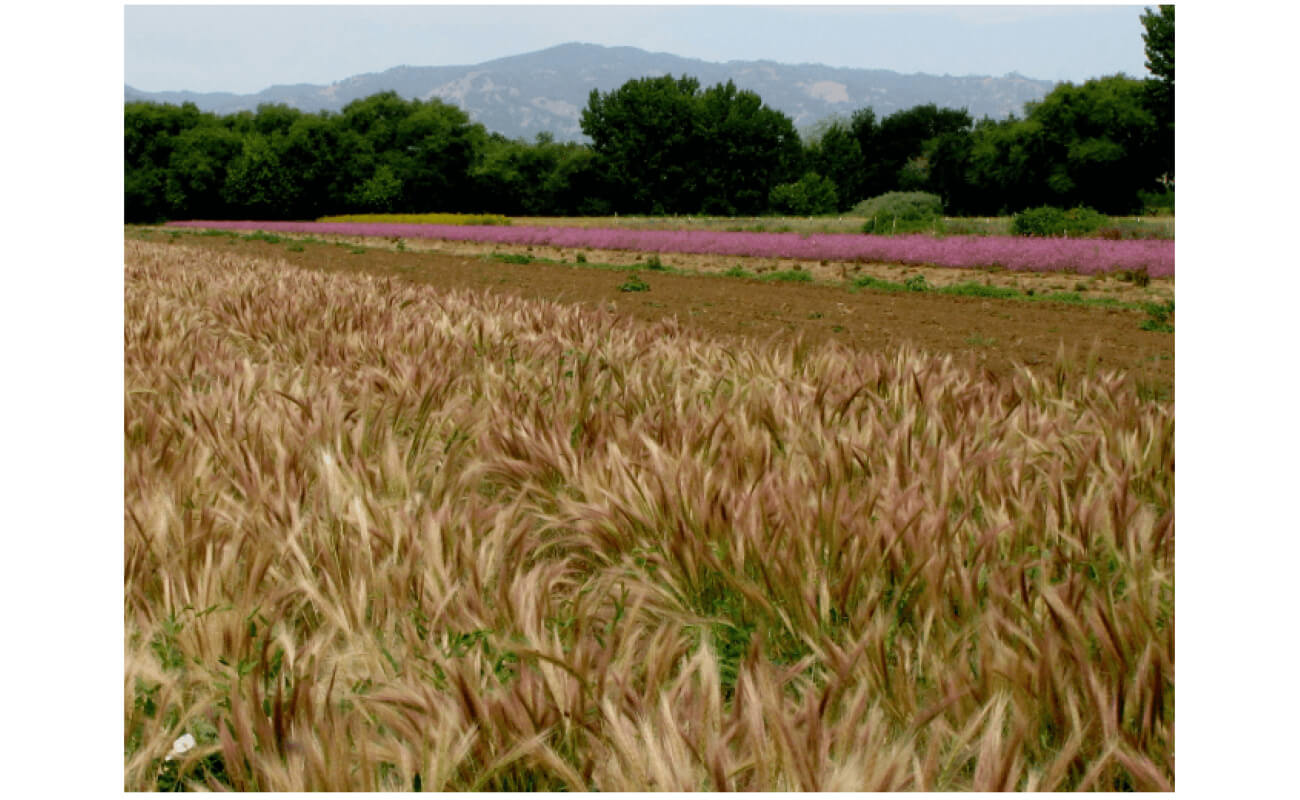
(576, 186)
(145, 190)
(150, 133)
(872, 179)
(256, 184)
(1098, 144)
(380, 193)
(512, 175)
(275, 118)
(326, 162)
(1158, 38)
(810, 195)
(899, 146)
(663, 146)
(948, 158)
(1159, 43)
(1092, 145)
(426, 151)
(377, 118)
(196, 171)
(433, 151)
(644, 135)
(1006, 166)
(836, 154)
(746, 147)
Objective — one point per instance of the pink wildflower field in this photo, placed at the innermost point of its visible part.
(1082, 256)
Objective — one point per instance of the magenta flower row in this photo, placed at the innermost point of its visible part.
(1085, 256)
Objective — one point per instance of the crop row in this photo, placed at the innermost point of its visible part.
(1083, 256)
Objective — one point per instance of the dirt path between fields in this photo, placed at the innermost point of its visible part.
(996, 333)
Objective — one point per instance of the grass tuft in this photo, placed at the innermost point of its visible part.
(634, 284)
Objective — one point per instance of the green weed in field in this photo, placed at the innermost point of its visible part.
(634, 284)
(788, 276)
(979, 290)
(917, 283)
(868, 282)
(513, 258)
(1158, 317)
(979, 340)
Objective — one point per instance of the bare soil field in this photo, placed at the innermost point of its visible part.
(997, 333)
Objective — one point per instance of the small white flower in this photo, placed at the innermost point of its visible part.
(181, 746)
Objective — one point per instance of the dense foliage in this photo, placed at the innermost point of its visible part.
(660, 145)
(1159, 40)
(664, 146)
(810, 195)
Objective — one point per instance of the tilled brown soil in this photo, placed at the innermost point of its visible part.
(996, 333)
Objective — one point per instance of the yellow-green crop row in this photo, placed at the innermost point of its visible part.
(423, 219)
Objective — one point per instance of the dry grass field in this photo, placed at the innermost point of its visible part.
(386, 536)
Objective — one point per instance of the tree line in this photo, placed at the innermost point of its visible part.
(659, 145)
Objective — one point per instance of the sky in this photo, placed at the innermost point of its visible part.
(245, 49)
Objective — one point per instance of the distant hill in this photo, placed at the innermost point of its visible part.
(520, 96)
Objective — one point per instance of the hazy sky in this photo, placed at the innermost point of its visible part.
(245, 49)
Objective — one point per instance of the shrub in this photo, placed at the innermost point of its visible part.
(1155, 203)
(901, 212)
(1052, 221)
(811, 194)
(916, 283)
(1139, 277)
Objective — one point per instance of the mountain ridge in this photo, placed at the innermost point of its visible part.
(522, 95)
